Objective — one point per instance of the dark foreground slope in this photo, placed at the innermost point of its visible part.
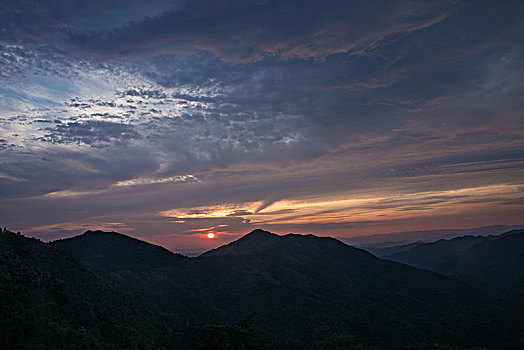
(306, 292)
(50, 301)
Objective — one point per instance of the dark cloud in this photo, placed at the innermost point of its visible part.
(41, 19)
(106, 105)
(233, 30)
(251, 30)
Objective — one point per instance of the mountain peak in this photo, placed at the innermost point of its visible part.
(248, 243)
(101, 233)
(95, 248)
(259, 233)
(303, 247)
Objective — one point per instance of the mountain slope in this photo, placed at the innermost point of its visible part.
(49, 301)
(294, 285)
(499, 261)
(401, 238)
(148, 270)
(423, 255)
(382, 252)
(114, 251)
(311, 280)
(249, 243)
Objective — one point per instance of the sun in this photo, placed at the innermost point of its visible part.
(210, 235)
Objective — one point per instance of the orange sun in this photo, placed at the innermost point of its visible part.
(210, 235)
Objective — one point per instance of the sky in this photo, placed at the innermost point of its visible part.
(166, 120)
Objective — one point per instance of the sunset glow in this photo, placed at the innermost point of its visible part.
(210, 235)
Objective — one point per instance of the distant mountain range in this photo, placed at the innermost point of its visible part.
(379, 241)
(494, 259)
(418, 253)
(261, 291)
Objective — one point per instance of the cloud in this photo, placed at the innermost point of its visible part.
(238, 31)
(150, 181)
(93, 133)
(234, 30)
(220, 112)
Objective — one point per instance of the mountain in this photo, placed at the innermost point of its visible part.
(425, 254)
(294, 287)
(114, 251)
(148, 270)
(50, 301)
(252, 242)
(388, 251)
(496, 260)
(265, 291)
(400, 238)
(499, 261)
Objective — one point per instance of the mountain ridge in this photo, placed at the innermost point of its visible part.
(424, 253)
(478, 259)
(498, 261)
(97, 247)
(251, 241)
(384, 240)
(296, 284)
(259, 241)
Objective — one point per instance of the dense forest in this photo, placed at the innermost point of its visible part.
(109, 291)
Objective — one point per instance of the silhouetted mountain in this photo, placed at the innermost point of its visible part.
(304, 282)
(253, 241)
(495, 259)
(146, 269)
(301, 292)
(323, 276)
(423, 255)
(114, 251)
(386, 240)
(381, 252)
(499, 261)
(49, 301)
